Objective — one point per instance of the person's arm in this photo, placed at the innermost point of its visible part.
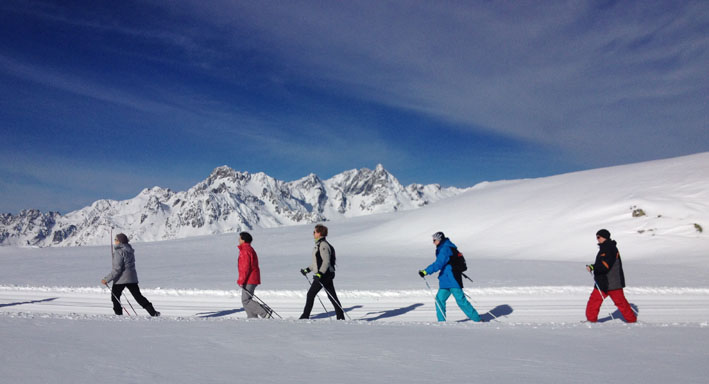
(118, 265)
(442, 260)
(604, 261)
(244, 267)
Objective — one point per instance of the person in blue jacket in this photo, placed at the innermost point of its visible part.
(447, 284)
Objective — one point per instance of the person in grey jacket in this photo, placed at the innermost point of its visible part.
(124, 275)
(323, 265)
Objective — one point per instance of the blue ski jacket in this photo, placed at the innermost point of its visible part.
(443, 255)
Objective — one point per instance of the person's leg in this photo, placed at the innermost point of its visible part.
(310, 299)
(594, 305)
(117, 290)
(135, 291)
(621, 302)
(441, 297)
(253, 308)
(329, 285)
(465, 305)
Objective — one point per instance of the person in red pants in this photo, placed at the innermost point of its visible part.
(610, 280)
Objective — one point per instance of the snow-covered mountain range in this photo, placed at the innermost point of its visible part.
(226, 201)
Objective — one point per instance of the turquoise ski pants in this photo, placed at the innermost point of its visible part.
(463, 303)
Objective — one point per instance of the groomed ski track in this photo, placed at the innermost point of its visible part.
(515, 305)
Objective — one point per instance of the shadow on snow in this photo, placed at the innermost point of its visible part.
(220, 313)
(499, 311)
(392, 312)
(332, 313)
(618, 315)
(28, 302)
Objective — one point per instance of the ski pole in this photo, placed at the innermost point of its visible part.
(468, 296)
(471, 299)
(262, 303)
(438, 306)
(599, 290)
(333, 299)
(131, 305)
(600, 293)
(476, 303)
(321, 303)
(118, 300)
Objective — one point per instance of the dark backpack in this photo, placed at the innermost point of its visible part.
(458, 265)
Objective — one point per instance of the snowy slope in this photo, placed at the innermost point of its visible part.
(79, 349)
(555, 218)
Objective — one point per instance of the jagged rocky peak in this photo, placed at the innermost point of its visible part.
(365, 181)
(226, 173)
(220, 175)
(310, 181)
(156, 191)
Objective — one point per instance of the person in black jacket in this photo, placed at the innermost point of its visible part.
(610, 280)
(324, 267)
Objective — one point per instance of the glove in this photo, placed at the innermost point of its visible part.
(305, 271)
(589, 267)
(317, 276)
(422, 273)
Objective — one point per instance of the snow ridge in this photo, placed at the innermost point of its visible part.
(225, 202)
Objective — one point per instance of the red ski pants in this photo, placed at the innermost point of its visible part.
(595, 301)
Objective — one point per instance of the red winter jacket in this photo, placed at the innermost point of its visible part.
(249, 272)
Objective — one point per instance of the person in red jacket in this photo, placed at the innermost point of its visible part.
(249, 277)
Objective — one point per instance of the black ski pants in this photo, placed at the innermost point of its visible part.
(326, 282)
(117, 290)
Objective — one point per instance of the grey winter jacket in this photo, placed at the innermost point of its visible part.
(325, 251)
(123, 271)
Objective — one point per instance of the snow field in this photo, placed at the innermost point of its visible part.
(526, 243)
(97, 348)
(533, 305)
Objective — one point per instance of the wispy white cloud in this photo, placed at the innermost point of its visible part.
(558, 73)
(54, 182)
(79, 86)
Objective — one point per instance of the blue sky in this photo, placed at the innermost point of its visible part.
(102, 99)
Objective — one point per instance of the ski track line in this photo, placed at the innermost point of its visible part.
(538, 305)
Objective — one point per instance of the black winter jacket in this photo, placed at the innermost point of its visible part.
(608, 269)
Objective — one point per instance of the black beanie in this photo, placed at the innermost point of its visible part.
(604, 234)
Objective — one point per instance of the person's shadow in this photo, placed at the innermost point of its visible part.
(332, 313)
(220, 313)
(28, 302)
(392, 312)
(618, 315)
(493, 314)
